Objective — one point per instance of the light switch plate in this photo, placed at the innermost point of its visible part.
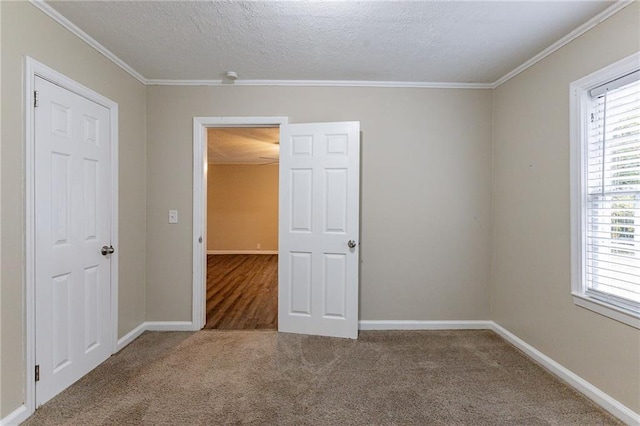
(173, 216)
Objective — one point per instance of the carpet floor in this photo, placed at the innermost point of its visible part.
(266, 378)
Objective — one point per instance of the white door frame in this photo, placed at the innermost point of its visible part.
(200, 126)
(34, 68)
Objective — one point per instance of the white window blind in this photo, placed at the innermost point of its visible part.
(612, 252)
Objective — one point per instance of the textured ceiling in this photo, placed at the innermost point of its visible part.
(243, 145)
(410, 41)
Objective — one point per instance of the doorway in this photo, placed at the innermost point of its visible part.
(201, 126)
(318, 223)
(242, 228)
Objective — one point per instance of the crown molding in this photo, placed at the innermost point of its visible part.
(56, 16)
(602, 16)
(607, 13)
(323, 83)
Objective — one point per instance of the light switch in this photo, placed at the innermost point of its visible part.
(173, 216)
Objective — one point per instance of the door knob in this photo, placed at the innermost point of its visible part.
(352, 244)
(107, 250)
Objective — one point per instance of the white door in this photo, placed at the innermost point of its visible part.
(319, 229)
(72, 223)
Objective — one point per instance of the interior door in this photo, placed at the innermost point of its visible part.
(319, 229)
(72, 222)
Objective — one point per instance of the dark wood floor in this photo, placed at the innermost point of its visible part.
(242, 291)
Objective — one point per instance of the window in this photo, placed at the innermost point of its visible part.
(605, 203)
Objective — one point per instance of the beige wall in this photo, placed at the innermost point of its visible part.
(426, 161)
(427, 196)
(27, 31)
(531, 246)
(242, 207)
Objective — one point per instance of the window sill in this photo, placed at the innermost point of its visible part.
(611, 311)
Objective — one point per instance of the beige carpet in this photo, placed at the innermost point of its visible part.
(261, 377)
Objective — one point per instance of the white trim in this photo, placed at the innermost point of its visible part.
(169, 326)
(73, 28)
(18, 416)
(216, 252)
(423, 325)
(606, 309)
(323, 83)
(605, 401)
(590, 391)
(22, 413)
(30, 240)
(610, 72)
(56, 16)
(153, 326)
(114, 125)
(34, 68)
(207, 122)
(578, 106)
(200, 124)
(199, 273)
(130, 336)
(243, 163)
(599, 18)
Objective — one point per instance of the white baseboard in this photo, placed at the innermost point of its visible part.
(130, 336)
(21, 413)
(605, 401)
(18, 416)
(152, 326)
(423, 325)
(169, 326)
(242, 251)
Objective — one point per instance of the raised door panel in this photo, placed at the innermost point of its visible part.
(335, 202)
(60, 180)
(72, 218)
(301, 190)
(319, 205)
(61, 322)
(334, 285)
(301, 286)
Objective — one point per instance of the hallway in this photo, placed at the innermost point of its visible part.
(242, 292)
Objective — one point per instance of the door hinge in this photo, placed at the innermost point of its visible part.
(36, 101)
(200, 240)
(37, 373)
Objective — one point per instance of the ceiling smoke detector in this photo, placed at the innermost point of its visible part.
(232, 75)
